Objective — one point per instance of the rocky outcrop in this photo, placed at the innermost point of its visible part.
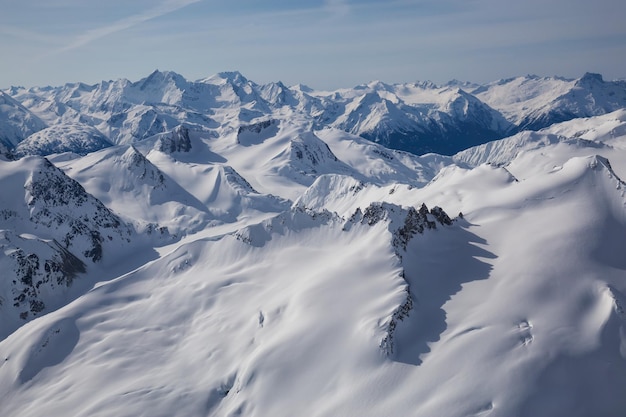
(39, 267)
(75, 218)
(387, 344)
(177, 141)
(403, 224)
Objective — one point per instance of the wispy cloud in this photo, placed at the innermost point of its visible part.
(337, 8)
(165, 7)
(28, 35)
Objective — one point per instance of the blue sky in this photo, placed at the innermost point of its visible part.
(325, 44)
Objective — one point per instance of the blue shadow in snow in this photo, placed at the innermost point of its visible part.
(436, 266)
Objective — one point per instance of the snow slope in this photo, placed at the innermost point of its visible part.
(268, 267)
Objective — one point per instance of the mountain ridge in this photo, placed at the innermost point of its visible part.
(417, 117)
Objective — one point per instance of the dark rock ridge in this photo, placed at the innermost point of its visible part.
(404, 224)
(72, 216)
(142, 168)
(39, 267)
(387, 344)
(49, 239)
(177, 141)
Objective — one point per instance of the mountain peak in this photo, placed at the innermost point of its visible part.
(303, 88)
(426, 85)
(231, 77)
(159, 78)
(16, 121)
(460, 84)
(598, 162)
(590, 78)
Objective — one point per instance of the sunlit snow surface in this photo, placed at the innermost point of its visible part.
(270, 295)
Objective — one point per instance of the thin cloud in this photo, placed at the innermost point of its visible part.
(28, 35)
(162, 9)
(337, 8)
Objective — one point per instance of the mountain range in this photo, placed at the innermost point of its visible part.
(415, 117)
(223, 248)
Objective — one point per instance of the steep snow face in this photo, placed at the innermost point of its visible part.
(139, 123)
(607, 129)
(543, 239)
(76, 138)
(16, 122)
(504, 151)
(305, 157)
(162, 87)
(164, 197)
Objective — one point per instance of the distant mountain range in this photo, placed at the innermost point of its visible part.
(413, 117)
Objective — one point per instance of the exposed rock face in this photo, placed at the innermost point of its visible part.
(78, 220)
(142, 168)
(404, 224)
(48, 237)
(257, 127)
(39, 268)
(387, 343)
(178, 141)
(309, 153)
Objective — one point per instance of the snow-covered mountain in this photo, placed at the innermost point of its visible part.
(418, 118)
(236, 249)
(16, 122)
(415, 117)
(52, 231)
(532, 102)
(78, 138)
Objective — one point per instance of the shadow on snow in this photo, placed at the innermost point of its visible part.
(436, 266)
